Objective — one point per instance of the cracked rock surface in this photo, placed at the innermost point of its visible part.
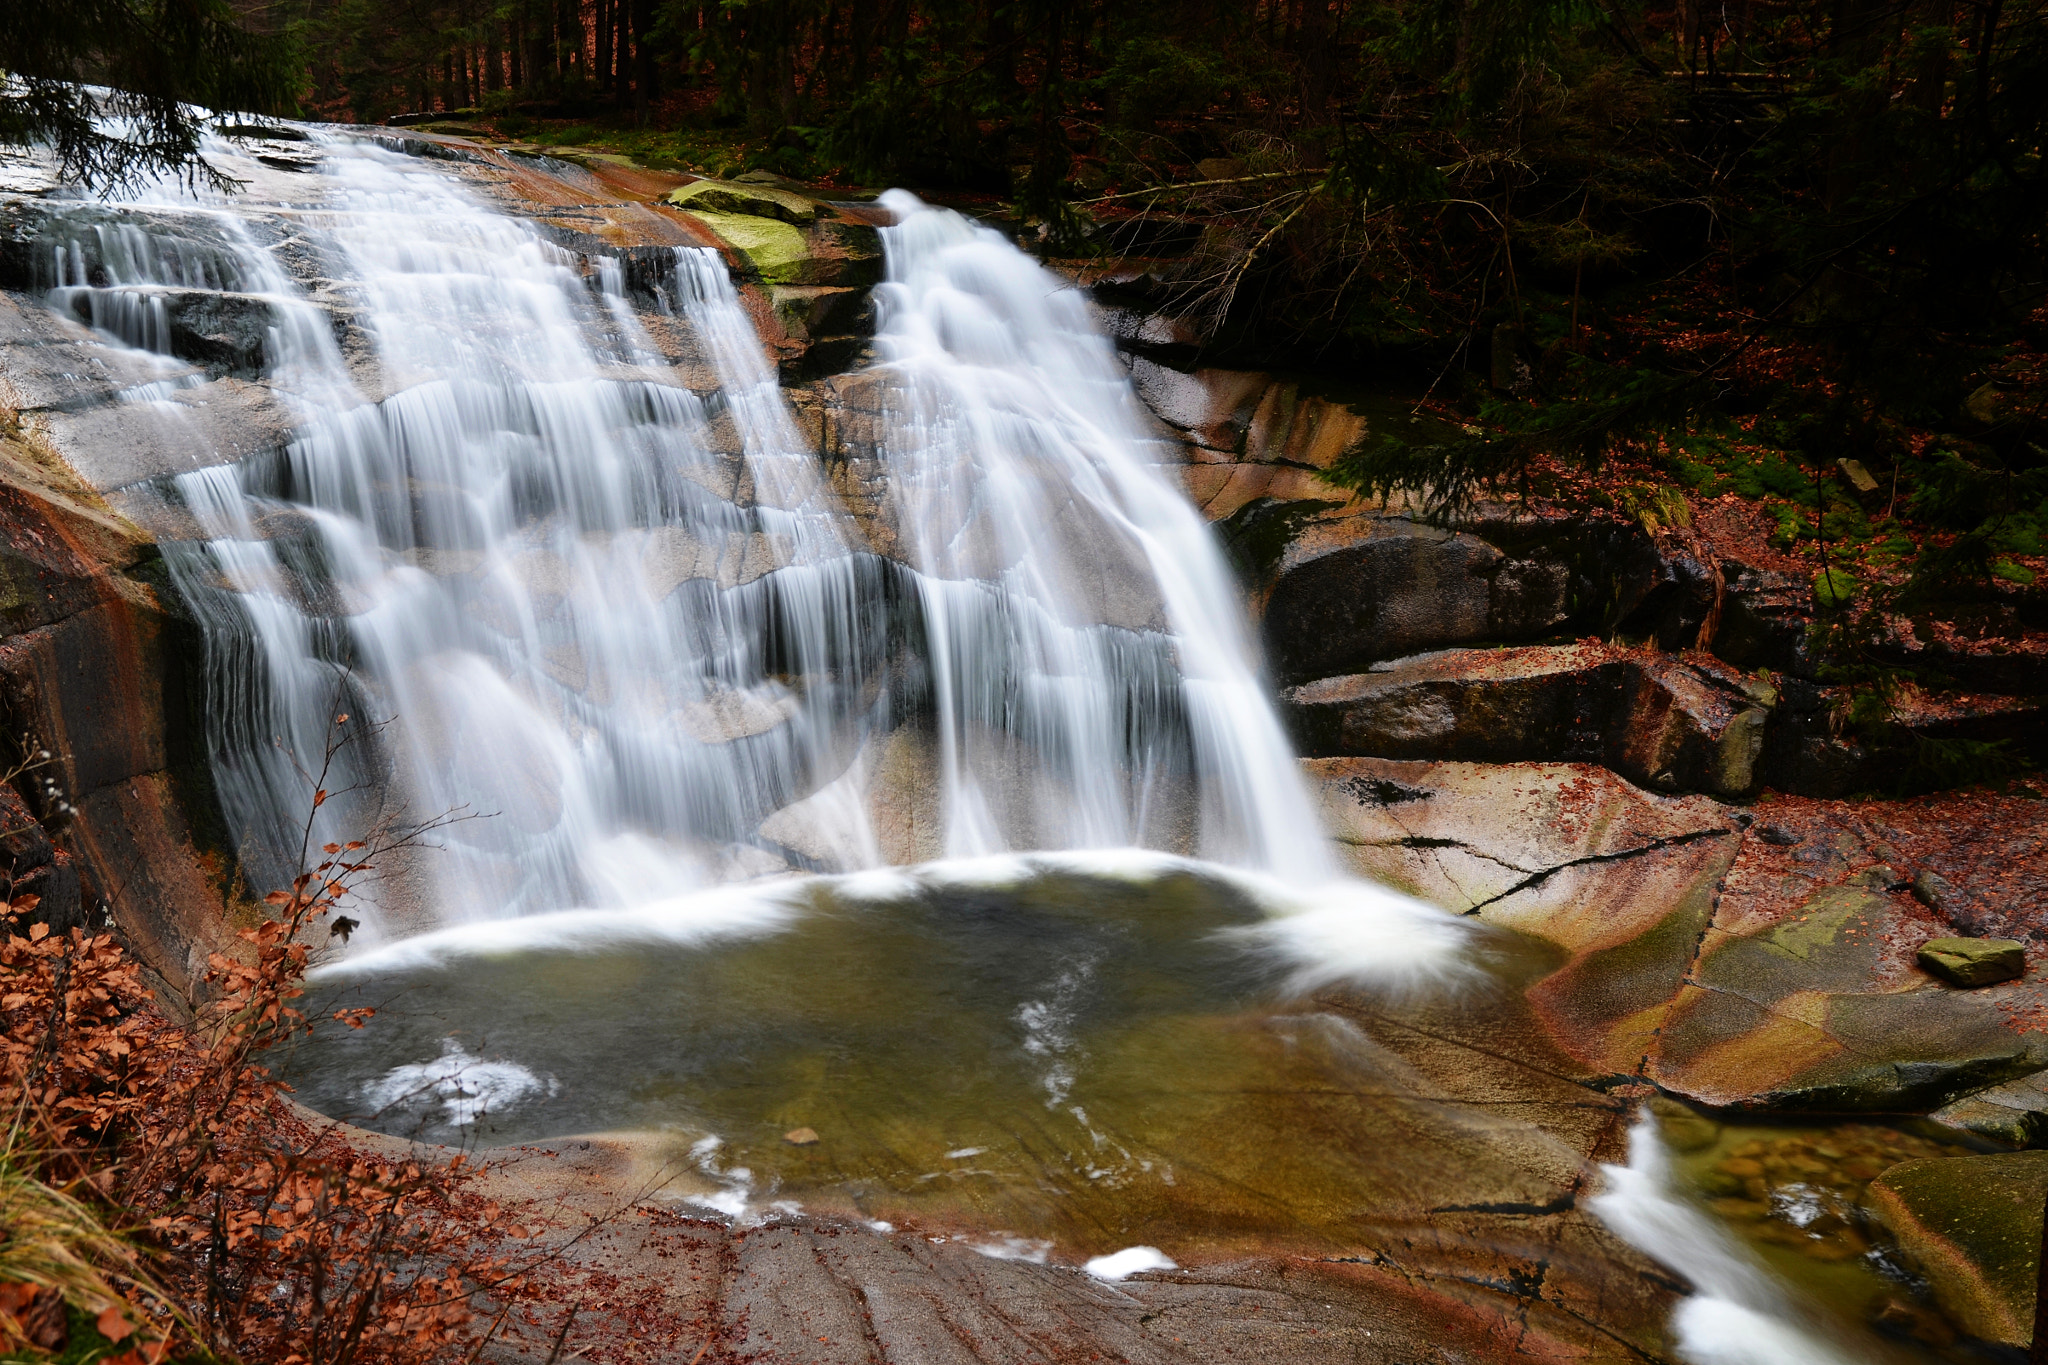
(1694, 954)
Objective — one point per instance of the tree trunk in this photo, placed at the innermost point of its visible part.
(1052, 160)
(644, 74)
(860, 36)
(533, 36)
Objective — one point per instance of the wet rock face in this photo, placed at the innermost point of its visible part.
(1663, 724)
(1338, 586)
(90, 657)
(1971, 1226)
(1731, 971)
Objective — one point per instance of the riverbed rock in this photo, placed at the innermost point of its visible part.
(1662, 723)
(1971, 1226)
(2014, 1114)
(1679, 963)
(1618, 881)
(1971, 962)
(1821, 1008)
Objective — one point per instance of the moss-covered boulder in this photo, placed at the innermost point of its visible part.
(1975, 961)
(826, 253)
(775, 249)
(753, 201)
(1972, 1227)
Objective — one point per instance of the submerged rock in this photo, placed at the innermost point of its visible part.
(1971, 1226)
(1972, 962)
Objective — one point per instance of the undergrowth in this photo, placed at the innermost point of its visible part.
(156, 1183)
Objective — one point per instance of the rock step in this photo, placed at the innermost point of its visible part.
(1971, 1227)
(1670, 723)
(1664, 723)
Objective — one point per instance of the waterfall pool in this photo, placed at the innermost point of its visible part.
(1086, 1051)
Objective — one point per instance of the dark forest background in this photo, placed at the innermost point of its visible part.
(1827, 211)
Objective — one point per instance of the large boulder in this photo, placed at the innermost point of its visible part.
(1663, 723)
(831, 249)
(1971, 1227)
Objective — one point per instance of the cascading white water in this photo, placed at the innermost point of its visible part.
(627, 620)
(1035, 510)
(1735, 1315)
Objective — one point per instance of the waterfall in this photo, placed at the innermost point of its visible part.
(1035, 508)
(565, 559)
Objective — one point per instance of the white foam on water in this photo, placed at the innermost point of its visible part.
(1355, 933)
(1120, 1265)
(1351, 933)
(1004, 1246)
(464, 1086)
(690, 920)
(1735, 1315)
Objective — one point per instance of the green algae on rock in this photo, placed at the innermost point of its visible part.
(754, 201)
(1972, 1228)
(774, 248)
(1971, 962)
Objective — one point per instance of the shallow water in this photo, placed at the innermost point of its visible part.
(1091, 1056)
(1793, 1197)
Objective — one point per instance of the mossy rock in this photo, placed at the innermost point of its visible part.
(1833, 589)
(1975, 961)
(1972, 1227)
(775, 249)
(755, 201)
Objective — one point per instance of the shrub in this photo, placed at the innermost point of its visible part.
(166, 1170)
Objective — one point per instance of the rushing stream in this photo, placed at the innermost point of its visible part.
(940, 858)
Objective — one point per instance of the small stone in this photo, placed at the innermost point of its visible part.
(1974, 961)
(1777, 836)
(1899, 1317)
(801, 1137)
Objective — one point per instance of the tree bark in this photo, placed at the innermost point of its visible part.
(644, 73)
